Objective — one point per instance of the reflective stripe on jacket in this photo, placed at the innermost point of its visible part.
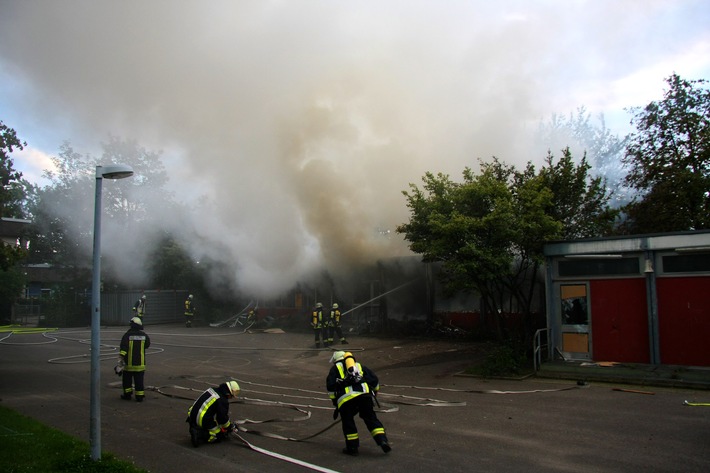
(317, 318)
(341, 395)
(210, 411)
(133, 346)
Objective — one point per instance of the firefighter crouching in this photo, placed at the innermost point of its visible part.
(209, 415)
(351, 387)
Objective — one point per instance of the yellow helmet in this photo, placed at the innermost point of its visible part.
(137, 321)
(233, 387)
(335, 305)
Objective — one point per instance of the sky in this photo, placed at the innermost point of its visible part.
(302, 122)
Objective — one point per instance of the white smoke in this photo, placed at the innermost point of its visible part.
(302, 122)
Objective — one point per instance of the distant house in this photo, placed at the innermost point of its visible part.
(11, 230)
(637, 299)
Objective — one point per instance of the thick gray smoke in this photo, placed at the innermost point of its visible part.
(302, 122)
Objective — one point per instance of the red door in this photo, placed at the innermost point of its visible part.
(619, 320)
(683, 320)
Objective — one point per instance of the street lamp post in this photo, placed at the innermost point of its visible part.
(117, 171)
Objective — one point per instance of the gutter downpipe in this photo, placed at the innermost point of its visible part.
(652, 303)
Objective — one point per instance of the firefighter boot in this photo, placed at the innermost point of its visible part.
(351, 447)
(383, 443)
(194, 436)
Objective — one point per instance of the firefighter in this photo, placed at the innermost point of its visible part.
(251, 317)
(209, 415)
(352, 388)
(320, 325)
(189, 311)
(139, 307)
(132, 359)
(335, 325)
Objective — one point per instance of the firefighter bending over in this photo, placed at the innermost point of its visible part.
(209, 415)
(352, 388)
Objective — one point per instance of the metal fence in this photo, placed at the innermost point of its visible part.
(162, 307)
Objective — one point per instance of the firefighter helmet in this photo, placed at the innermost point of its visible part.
(233, 387)
(143, 297)
(190, 297)
(137, 321)
(337, 356)
(335, 305)
(319, 305)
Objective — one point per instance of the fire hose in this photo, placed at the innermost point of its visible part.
(279, 456)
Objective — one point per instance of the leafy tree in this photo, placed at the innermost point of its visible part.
(11, 192)
(479, 229)
(604, 150)
(580, 202)
(669, 161)
(63, 232)
(8, 175)
(489, 230)
(11, 279)
(171, 266)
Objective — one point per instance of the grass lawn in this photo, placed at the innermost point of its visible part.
(29, 446)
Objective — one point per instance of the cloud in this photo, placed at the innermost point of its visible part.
(32, 163)
(303, 121)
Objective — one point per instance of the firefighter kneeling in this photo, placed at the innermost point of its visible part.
(209, 415)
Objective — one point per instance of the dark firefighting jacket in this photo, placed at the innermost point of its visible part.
(318, 320)
(133, 345)
(211, 409)
(343, 385)
(189, 310)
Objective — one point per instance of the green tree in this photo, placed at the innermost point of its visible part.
(489, 230)
(580, 201)
(486, 232)
(11, 278)
(64, 210)
(172, 268)
(669, 161)
(8, 175)
(604, 151)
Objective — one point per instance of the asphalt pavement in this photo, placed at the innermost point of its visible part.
(436, 420)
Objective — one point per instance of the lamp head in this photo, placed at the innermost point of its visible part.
(114, 171)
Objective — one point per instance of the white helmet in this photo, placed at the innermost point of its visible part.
(319, 305)
(137, 321)
(335, 305)
(143, 297)
(190, 296)
(337, 356)
(233, 387)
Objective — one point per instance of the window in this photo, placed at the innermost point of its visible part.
(573, 298)
(687, 263)
(598, 267)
